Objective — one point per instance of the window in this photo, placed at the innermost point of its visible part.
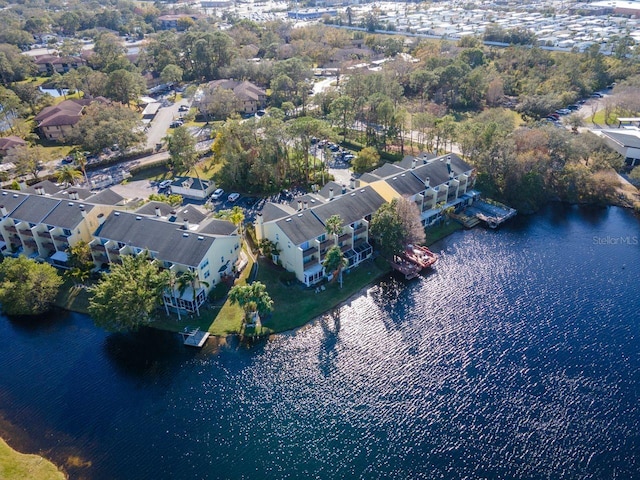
(31, 225)
(206, 274)
(304, 246)
(237, 246)
(277, 237)
(322, 238)
(204, 264)
(67, 232)
(221, 259)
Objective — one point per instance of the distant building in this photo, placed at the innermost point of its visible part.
(9, 143)
(251, 97)
(625, 141)
(311, 13)
(57, 122)
(50, 64)
(191, 187)
(168, 22)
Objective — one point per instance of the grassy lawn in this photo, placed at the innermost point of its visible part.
(290, 314)
(438, 232)
(18, 466)
(599, 118)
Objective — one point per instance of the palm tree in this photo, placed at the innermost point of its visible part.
(334, 227)
(190, 278)
(171, 282)
(335, 262)
(68, 175)
(252, 298)
(80, 161)
(235, 216)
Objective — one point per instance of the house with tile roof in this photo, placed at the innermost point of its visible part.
(251, 98)
(299, 229)
(9, 143)
(49, 64)
(57, 121)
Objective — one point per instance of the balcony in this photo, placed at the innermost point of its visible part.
(309, 251)
(100, 257)
(359, 230)
(26, 232)
(44, 234)
(114, 251)
(11, 228)
(60, 238)
(326, 244)
(344, 237)
(310, 263)
(98, 248)
(29, 242)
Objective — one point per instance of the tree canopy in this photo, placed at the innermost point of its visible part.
(126, 297)
(27, 287)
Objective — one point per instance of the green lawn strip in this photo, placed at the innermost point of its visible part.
(295, 305)
(599, 119)
(72, 298)
(19, 466)
(438, 232)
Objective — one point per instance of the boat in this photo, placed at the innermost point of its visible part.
(420, 255)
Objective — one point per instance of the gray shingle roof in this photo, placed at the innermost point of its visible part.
(352, 206)
(625, 139)
(48, 186)
(170, 242)
(83, 193)
(301, 227)
(34, 208)
(106, 197)
(10, 199)
(325, 191)
(67, 214)
(387, 170)
(271, 211)
(218, 227)
(405, 184)
(309, 224)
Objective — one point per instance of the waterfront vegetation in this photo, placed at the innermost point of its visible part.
(19, 466)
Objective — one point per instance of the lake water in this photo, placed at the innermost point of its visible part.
(518, 357)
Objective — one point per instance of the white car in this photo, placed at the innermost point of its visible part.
(233, 197)
(164, 184)
(217, 194)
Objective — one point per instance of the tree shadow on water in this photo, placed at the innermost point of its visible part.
(147, 354)
(330, 325)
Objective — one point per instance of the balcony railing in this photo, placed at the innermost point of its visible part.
(11, 228)
(310, 263)
(326, 243)
(309, 251)
(60, 238)
(98, 248)
(114, 251)
(44, 234)
(26, 231)
(360, 230)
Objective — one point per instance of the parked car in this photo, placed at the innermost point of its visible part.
(596, 95)
(67, 159)
(217, 194)
(164, 184)
(573, 107)
(563, 111)
(183, 108)
(233, 197)
(555, 116)
(176, 124)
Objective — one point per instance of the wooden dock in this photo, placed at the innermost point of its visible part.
(408, 269)
(491, 212)
(194, 338)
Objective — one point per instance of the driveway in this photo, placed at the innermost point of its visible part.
(159, 126)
